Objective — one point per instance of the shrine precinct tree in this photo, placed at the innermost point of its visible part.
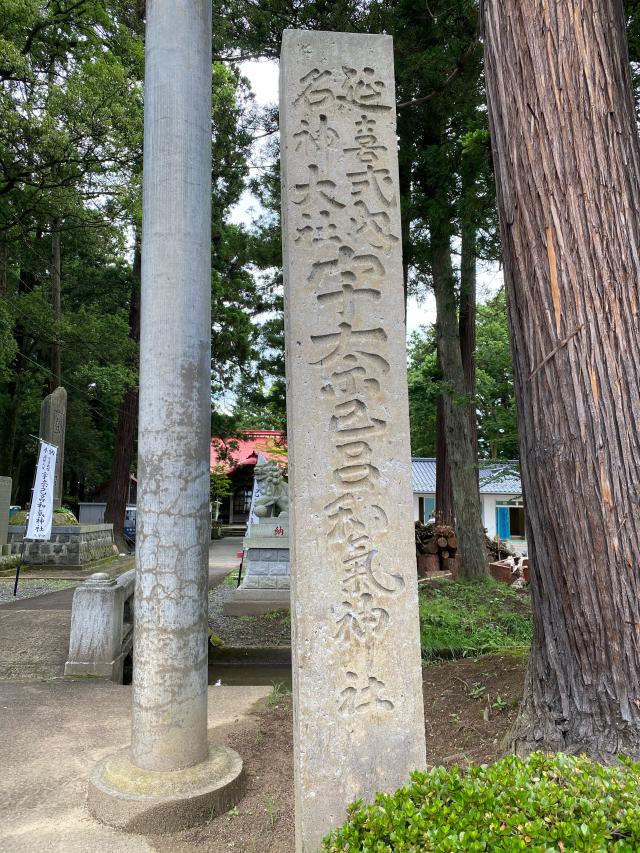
(567, 164)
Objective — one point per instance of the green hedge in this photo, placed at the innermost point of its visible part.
(544, 803)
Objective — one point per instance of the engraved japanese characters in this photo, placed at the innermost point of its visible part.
(356, 645)
(341, 210)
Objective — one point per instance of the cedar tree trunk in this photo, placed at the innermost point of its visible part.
(466, 496)
(118, 492)
(568, 175)
(467, 323)
(444, 487)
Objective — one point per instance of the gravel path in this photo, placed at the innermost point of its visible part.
(30, 588)
(268, 630)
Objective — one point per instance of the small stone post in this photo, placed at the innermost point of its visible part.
(97, 627)
(53, 421)
(358, 713)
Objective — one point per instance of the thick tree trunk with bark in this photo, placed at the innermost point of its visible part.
(466, 496)
(467, 323)
(56, 305)
(444, 486)
(118, 492)
(568, 170)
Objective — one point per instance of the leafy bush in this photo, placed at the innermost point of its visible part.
(545, 803)
(463, 619)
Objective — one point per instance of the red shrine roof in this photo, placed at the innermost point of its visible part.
(243, 449)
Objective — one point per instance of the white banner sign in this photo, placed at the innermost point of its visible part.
(41, 513)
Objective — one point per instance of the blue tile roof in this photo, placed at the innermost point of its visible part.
(501, 478)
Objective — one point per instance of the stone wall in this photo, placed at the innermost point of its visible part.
(72, 545)
(267, 568)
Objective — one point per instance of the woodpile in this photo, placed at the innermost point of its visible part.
(436, 547)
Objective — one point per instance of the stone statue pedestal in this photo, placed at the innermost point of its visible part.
(266, 584)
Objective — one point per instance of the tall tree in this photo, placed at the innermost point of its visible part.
(440, 91)
(122, 458)
(567, 161)
(497, 428)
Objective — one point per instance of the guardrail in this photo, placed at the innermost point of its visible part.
(101, 626)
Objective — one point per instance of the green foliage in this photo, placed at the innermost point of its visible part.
(220, 484)
(62, 516)
(495, 396)
(71, 95)
(8, 346)
(464, 619)
(425, 382)
(232, 578)
(546, 803)
(215, 640)
(499, 703)
(281, 693)
(281, 616)
(477, 690)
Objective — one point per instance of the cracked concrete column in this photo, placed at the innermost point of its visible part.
(169, 729)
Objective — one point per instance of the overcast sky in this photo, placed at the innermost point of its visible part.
(263, 76)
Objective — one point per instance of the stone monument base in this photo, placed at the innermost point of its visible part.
(257, 602)
(70, 545)
(266, 578)
(148, 801)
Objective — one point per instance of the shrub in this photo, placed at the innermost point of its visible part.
(544, 803)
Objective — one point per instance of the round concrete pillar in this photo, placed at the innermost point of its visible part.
(169, 730)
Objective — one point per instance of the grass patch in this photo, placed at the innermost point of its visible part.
(281, 693)
(232, 578)
(281, 616)
(57, 585)
(464, 619)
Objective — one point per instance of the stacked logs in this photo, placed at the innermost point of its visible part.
(436, 547)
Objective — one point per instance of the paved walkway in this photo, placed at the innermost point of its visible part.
(34, 632)
(54, 730)
(52, 734)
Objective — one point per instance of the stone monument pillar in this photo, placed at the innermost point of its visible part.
(5, 503)
(358, 713)
(171, 776)
(53, 420)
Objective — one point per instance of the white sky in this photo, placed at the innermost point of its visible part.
(263, 76)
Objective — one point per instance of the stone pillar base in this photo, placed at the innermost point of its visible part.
(256, 602)
(147, 801)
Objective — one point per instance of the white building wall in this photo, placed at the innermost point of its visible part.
(416, 506)
(488, 504)
(489, 513)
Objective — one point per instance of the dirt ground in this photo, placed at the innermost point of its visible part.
(469, 707)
